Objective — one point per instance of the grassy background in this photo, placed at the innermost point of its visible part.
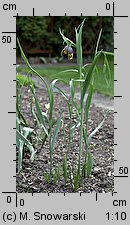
(100, 85)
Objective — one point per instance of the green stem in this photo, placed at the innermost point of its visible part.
(80, 143)
(50, 157)
(81, 124)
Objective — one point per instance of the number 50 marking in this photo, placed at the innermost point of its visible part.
(6, 39)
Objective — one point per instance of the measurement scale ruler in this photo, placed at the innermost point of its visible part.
(33, 208)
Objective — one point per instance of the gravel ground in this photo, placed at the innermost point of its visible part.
(31, 179)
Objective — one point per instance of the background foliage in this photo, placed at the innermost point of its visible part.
(42, 33)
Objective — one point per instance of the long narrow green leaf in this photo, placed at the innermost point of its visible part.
(97, 45)
(89, 75)
(90, 94)
(67, 40)
(89, 164)
(39, 112)
(20, 153)
(56, 132)
(108, 70)
(65, 168)
(95, 130)
(40, 116)
(28, 64)
(72, 92)
(87, 105)
(68, 71)
(51, 100)
(27, 131)
(72, 89)
(78, 32)
(22, 138)
(66, 99)
(108, 53)
(27, 142)
(71, 71)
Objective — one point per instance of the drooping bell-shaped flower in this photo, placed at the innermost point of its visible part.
(68, 51)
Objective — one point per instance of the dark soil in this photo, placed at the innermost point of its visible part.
(31, 179)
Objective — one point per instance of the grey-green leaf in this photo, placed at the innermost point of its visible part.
(56, 132)
(89, 75)
(89, 164)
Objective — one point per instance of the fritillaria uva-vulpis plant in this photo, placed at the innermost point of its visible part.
(46, 123)
(86, 82)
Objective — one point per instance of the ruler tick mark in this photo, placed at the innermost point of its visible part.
(114, 192)
(9, 32)
(113, 9)
(8, 192)
(11, 112)
(16, 15)
(96, 196)
(33, 12)
(121, 16)
(117, 96)
(119, 176)
(16, 200)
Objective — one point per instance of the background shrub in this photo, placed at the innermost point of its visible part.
(42, 33)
